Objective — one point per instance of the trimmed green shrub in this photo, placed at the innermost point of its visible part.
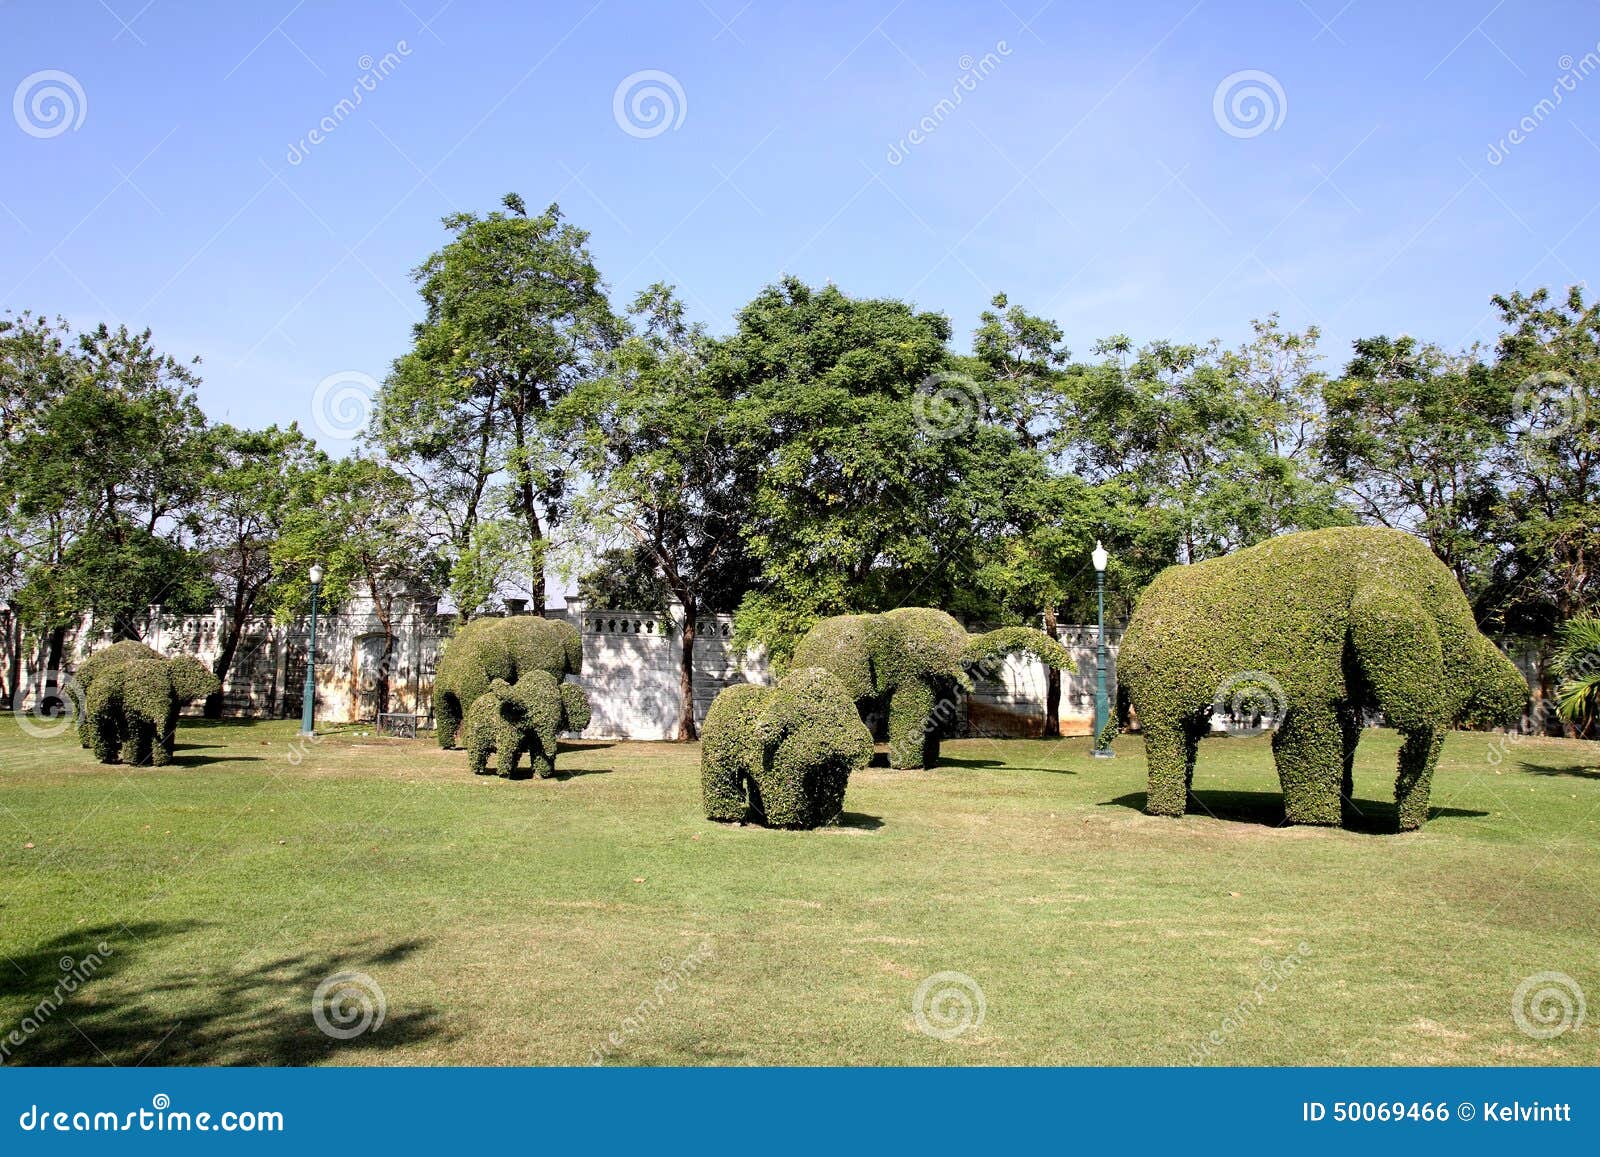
(513, 719)
(1315, 628)
(131, 699)
(503, 648)
(910, 664)
(782, 755)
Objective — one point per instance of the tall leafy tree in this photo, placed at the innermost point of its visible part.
(1548, 362)
(251, 489)
(672, 467)
(516, 316)
(1412, 437)
(357, 517)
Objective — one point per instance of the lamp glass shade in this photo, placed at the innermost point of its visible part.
(316, 573)
(1100, 557)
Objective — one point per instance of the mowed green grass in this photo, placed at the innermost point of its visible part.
(527, 922)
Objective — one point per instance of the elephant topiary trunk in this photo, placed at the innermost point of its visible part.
(782, 755)
(1318, 627)
(911, 664)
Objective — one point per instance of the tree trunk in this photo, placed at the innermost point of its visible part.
(50, 677)
(1052, 692)
(222, 664)
(14, 659)
(686, 728)
(384, 664)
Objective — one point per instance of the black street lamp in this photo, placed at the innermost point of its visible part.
(309, 697)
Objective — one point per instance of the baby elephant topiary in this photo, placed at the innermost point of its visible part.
(131, 701)
(782, 755)
(500, 648)
(512, 719)
(910, 663)
(1317, 627)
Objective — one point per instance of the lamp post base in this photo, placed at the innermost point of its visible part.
(1104, 753)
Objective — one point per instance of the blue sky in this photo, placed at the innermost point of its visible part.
(1086, 170)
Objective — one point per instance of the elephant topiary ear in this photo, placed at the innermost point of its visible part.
(191, 679)
(574, 707)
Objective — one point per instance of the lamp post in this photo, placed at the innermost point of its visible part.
(1102, 706)
(309, 696)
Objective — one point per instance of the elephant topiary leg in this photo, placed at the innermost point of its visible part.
(911, 725)
(540, 764)
(1309, 749)
(508, 749)
(1169, 750)
(1419, 755)
(137, 742)
(448, 720)
(106, 738)
(479, 746)
(1350, 734)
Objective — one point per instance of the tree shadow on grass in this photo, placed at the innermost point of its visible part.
(183, 757)
(1580, 770)
(116, 1010)
(1265, 809)
(858, 821)
(1001, 763)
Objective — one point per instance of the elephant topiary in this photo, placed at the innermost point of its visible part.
(500, 648)
(102, 660)
(782, 755)
(511, 719)
(132, 698)
(911, 662)
(1318, 627)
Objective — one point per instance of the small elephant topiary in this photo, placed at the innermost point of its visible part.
(131, 701)
(500, 648)
(911, 663)
(1326, 625)
(513, 719)
(782, 755)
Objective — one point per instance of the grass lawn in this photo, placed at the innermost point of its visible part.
(526, 922)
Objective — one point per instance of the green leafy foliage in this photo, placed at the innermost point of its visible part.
(1316, 627)
(1578, 663)
(782, 755)
(513, 719)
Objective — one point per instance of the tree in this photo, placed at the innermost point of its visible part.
(516, 317)
(671, 467)
(1548, 363)
(251, 490)
(1411, 439)
(104, 457)
(356, 516)
(881, 484)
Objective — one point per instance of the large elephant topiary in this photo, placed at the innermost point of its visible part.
(510, 719)
(911, 663)
(103, 660)
(132, 698)
(500, 648)
(782, 755)
(1318, 627)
